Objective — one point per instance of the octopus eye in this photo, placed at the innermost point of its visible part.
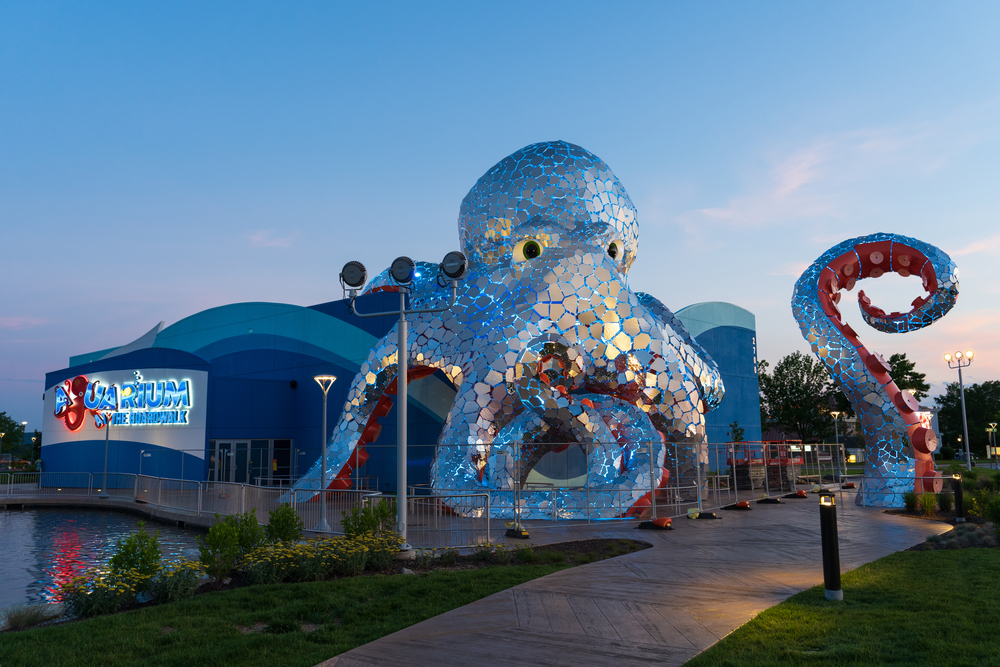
(615, 250)
(528, 249)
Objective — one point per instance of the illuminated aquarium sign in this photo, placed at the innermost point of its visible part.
(136, 403)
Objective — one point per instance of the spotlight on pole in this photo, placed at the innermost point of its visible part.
(454, 265)
(354, 275)
(831, 547)
(402, 270)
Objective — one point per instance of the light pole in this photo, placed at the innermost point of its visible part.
(324, 382)
(992, 441)
(107, 434)
(836, 438)
(961, 361)
(402, 270)
(142, 453)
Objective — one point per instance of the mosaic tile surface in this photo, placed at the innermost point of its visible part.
(548, 347)
(899, 445)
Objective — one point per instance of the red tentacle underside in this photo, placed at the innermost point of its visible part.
(872, 260)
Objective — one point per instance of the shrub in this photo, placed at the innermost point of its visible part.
(377, 519)
(27, 616)
(96, 593)
(483, 551)
(910, 501)
(219, 550)
(945, 501)
(312, 560)
(991, 511)
(269, 564)
(948, 452)
(176, 582)
(249, 533)
(524, 554)
(503, 555)
(140, 551)
(284, 525)
(381, 549)
(448, 556)
(977, 501)
(928, 503)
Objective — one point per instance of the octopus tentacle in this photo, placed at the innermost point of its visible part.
(899, 446)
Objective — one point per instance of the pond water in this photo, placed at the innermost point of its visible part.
(42, 548)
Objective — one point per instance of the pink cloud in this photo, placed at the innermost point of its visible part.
(265, 239)
(19, 322)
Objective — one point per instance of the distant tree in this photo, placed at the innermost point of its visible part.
(736, 432)
(982, 406)
(13, 434)
(36, 446)
(906, 377)
(797, 397)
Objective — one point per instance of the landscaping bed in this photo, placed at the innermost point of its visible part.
(296, 623)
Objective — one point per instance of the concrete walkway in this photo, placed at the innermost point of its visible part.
(660, 606)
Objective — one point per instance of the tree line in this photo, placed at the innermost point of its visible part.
(13, 440)
(798, 398)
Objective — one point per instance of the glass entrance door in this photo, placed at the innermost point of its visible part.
(232, 461)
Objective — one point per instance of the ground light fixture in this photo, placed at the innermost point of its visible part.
(956, 484)
(324, 382)
(402, 272)
(831, 547)
(960, 361)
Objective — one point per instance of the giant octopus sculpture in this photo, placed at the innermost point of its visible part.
(548, 347)
(899, 445)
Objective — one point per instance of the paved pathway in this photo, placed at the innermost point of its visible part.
(658, 606)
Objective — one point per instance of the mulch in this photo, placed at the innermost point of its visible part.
(943, 517)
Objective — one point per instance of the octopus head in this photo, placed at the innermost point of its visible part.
(550, 194)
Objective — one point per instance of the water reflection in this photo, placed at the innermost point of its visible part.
(41, 549)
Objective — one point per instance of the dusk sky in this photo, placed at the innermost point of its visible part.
(160, 158)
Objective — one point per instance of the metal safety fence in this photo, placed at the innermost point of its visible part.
(527, 484)
(461, 519)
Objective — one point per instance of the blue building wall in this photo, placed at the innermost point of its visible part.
(261, 359)
(728, 334)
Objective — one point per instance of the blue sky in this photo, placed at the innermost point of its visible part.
(157, 159)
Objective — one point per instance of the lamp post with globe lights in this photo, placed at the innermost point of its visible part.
(962, 360)
(403, 271)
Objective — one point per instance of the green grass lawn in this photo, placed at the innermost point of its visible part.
(205, 630)
(912, 608)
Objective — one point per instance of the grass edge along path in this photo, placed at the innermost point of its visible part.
(914, 608)
(225, 628)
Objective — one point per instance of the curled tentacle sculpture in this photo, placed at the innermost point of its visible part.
(548, 347)
(899, 447)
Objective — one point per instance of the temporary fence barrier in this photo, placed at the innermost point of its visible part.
(455, 520)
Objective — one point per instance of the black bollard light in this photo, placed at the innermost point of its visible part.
(956, 483)
(831, 547)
